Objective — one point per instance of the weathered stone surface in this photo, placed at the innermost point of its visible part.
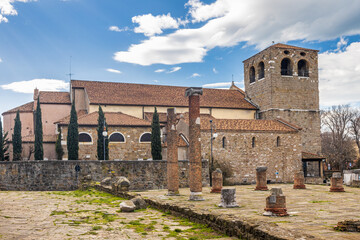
(276, 204)
(261, 179)
(139, 203)
(106, 181)
(122, 184)
(348, 226)
(172, 153)
(336, 183)
(127, 206)
(217, 181)
(299, 180)
(228, 198)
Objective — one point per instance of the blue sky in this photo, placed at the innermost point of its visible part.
(183, 43)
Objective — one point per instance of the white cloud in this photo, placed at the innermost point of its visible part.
(215, 71)
(117, 29)
(7, 8)
(339, 74)
(341, 43)
(159, 70)
(1, 60)
(174, 69)
(219, 85)
(194, 75)
(150, 25)
(42, 84)
(252, 22)
(113, 70)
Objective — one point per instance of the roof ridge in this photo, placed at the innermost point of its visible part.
(289, 124)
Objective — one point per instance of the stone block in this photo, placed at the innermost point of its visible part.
(228, 198)
(217, 181)
(261, 179)
(106, 181)
(336, 182)
(299, 180)
(276, 204)
(139, 203)
(127, 206)
(121, 185)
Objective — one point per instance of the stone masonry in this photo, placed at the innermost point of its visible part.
(172, 153)
(261, 183)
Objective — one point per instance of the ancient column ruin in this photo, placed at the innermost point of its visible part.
(299, 180)
(172, 154)
(228, 198)
(195, 178)
(217, 181)
(261, 179)
(336, 183)
(276, 204)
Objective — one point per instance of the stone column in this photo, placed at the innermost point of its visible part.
(336, 183)
(172, 154)
(276, 204)
(261, 179)
(228, 198)
(195, 178)
(217, 181)
(299, 180)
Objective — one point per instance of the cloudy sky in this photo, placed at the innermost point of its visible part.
(183, 43)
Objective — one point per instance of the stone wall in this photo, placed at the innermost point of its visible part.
(61, 175)
(239, 159)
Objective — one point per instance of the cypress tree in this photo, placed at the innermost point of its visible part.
(58, 148)
(39, 150)
(100, 140)
(155, 137)
(73, 135)
(16, 138)
(4, 155)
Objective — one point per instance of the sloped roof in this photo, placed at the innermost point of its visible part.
(112, 119)
(158, 95)
(27, 107)
(307, 155)
(281, 45)
(55, 97)
(162, 116)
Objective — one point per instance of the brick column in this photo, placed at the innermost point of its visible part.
(195, 178)
(336, 183)
(276, 204)
(172, 154)
(299, 180)
(261, 179)
(217, 181)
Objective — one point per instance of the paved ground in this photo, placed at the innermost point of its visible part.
(314, 210)
(88, 215)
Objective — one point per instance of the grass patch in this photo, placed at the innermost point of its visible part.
(95, 228)
(58, 213)
(319, 201)
(142, 228)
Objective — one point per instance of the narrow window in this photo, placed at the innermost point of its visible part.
(253, 142)
(84, 138)
(252, 74)
(278, 141)
(261, 70)
(145, 137)
(224, 142)
(286, 67)
(117, 137)
(303, 68)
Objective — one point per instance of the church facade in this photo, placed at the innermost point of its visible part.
(275, 122)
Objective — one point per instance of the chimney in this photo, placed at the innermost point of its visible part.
(36, 96)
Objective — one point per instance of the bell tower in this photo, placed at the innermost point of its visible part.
(283, 81)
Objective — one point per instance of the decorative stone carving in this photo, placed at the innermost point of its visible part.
(228, 198)
(336, 183)
(127, 206)
(299, 180)
(217, 181)
(276, 204)
(261, 179)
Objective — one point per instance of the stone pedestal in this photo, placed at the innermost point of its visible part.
(336, 183)
(217, 181)
(261, 179)
(195, 178)
(172, 154)
(299, 180)
(228, 198)
(276, 204)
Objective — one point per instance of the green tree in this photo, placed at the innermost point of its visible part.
(39, 150)
(73, 135)
(100, 140)
(4, 145)
(155, 137)
(16, 138)
(58, 148)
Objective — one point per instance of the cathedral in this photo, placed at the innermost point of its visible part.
(275, 122)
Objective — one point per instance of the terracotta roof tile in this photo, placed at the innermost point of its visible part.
(55, 97)
(162, 117)
(307, 155)
(27, 107)
(112, 119)
(158, 95)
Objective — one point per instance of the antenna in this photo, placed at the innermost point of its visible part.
(232, 77)
(70, 74)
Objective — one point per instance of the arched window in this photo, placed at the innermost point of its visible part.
(224, 142)
(303, 68)
(261, 70)
(253, 142)
(278, 141)
(145, 137)
(116, 137)
(252, 74)
(286, 68)
(85, 138)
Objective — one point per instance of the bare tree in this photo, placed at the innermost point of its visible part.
(355, 130)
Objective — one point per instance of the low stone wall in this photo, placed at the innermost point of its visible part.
(61, 175)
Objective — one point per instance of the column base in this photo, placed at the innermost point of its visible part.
(173, 193)
(275, 212)
(337, 189)
(261, 188)
(196, 196)
(215, 190)
(299, 186)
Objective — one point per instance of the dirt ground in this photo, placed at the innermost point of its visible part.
(88, 215)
